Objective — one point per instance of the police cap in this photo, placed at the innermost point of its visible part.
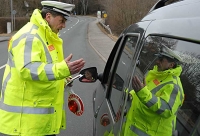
(167, 52)
(59, 7)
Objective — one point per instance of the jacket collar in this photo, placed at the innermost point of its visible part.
(175, 71)
(37, 19)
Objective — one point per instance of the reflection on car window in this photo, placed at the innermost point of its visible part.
(189, 113)
(118, 82)
(121, 74)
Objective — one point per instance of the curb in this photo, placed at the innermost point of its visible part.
(4, 39)
(100, 55)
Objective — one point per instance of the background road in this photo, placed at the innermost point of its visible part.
(76, 42)
(75, 38)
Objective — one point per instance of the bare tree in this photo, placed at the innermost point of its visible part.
(122, 13)
(84, 5)
(94, 6)
(4, 12)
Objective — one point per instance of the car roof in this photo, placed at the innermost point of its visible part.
(180, 19)
(181, 9)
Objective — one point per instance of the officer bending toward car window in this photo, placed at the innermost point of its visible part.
(32, 95)
(156, 101)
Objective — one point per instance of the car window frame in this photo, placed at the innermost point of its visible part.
(114, 66)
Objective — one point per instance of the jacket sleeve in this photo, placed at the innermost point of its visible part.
(30, 59)
(165, 102)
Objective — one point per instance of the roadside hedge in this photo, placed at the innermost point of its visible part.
(19, 22)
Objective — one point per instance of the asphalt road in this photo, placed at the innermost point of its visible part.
(76, 42)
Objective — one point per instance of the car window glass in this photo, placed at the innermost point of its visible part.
(121, 74)
(189, 52)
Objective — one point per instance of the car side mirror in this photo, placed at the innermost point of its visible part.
(90, 75)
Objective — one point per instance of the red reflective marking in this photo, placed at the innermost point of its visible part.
(73, 107)
(51, 48)
(79, 103)
(156, 82)
(105, 120)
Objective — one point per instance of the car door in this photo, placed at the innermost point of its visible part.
(109, 114)
(111, 94)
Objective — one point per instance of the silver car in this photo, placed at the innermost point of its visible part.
(176, 25)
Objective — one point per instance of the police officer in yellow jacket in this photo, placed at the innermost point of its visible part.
(156, 101)
(32, 95)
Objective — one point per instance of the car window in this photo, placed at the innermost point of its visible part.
(122, 72)
(188, 114)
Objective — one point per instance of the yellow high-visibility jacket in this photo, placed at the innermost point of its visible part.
(32, 95)
(153, 109)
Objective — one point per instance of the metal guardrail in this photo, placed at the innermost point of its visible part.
(105, 26)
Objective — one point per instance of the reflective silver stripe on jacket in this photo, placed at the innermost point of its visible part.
(156, 89)
(181, 90)
(48, 56)
(16, 42)
(34, 66)
(138, 131)
(26, 110)
(27, 56)
(49, 71)
(10, 61)
(164, 105)
(33, 69)
(173, 125)
(4, 86)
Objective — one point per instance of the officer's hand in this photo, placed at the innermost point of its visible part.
(74, 66)
(137, 84)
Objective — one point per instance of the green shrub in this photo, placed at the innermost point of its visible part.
(19, 22)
